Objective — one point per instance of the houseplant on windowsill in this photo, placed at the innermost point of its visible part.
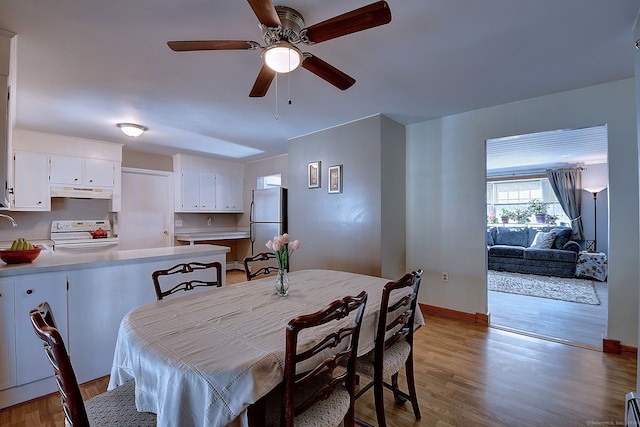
(506, 215)
(283, 249)
(539, 209)
(521, 216)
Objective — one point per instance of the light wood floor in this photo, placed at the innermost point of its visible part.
(470, 375)
(578, 324)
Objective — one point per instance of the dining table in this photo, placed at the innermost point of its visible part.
(202, 358)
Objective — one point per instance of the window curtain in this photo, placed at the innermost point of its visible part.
(567, 185)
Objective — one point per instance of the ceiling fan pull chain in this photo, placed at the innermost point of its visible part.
(289, 79)
(276, 96)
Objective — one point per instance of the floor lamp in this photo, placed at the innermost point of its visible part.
(595, 191)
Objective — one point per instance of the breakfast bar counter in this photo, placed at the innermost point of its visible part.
(89, 293)
(50, 261)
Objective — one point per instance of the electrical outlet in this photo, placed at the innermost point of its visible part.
(209, 221)
(178, 223)
(445, 276)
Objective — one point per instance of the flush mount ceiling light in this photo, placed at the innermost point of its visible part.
(282, 57)
(132, 129)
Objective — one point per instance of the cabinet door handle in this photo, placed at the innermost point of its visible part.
(29, 291)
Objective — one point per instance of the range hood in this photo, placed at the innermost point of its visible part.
(81, 192)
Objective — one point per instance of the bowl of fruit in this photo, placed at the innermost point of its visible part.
(21, 251)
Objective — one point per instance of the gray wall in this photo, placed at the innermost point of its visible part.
(446, 194)
(347, 231)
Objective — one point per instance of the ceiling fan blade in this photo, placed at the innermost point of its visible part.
(261, 86)
(182, 46)
(366, 17)
(327, 72)
(265, 12)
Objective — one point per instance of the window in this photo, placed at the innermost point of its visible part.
(515, 195)
(269, 181)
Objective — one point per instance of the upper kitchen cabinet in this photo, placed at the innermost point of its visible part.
(229, 193)
(31, 181)
(197, 191)
(7, 108)
(80, 171)
(208, 185)
(76, 167)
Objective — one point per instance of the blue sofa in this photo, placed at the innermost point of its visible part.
(510, 249)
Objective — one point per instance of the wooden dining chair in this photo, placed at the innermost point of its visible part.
(319, 380)
(261, 264)
(115, 407)
(186, 270)
(393, 347)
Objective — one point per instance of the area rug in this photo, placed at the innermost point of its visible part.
(559, 288)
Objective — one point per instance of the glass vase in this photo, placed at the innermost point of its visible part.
(282, 283)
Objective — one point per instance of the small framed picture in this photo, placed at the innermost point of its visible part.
(335, 179)
(313, 175)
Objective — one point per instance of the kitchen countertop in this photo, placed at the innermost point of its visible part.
(52, 261)
(193, 236)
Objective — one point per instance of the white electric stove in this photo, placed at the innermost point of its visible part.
(76, 235)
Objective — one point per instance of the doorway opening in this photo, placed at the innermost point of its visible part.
(517, 181)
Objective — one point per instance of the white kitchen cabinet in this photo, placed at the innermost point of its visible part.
(31, 182)
(31, 361)
(23, 358)
(79, 171)
(197, 191)
(7, 337)
(229, 193)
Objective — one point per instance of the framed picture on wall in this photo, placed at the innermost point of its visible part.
(335, 179)
(313, 175)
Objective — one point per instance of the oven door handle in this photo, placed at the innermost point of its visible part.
(84, 245)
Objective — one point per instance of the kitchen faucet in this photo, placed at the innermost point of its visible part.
(13, 221)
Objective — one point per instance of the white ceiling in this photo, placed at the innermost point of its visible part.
(535, 152)
(84, 66)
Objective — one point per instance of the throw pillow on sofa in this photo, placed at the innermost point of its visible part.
(543, 240)
(563, 235)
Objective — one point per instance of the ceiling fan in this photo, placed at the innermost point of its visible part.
(283, 28)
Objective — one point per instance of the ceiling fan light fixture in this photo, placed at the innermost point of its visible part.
(282, 57)
(132, 129)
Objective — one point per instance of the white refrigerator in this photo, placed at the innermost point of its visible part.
(267, 217)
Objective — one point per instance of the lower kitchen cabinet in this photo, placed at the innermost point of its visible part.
(7, 337)
(25, 353)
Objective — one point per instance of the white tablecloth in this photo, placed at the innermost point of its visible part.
(201, 359)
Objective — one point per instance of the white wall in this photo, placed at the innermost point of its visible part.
(446, 194)
(37, 225)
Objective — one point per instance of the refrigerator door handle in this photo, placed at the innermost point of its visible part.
(252, 234)
(251, 212)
